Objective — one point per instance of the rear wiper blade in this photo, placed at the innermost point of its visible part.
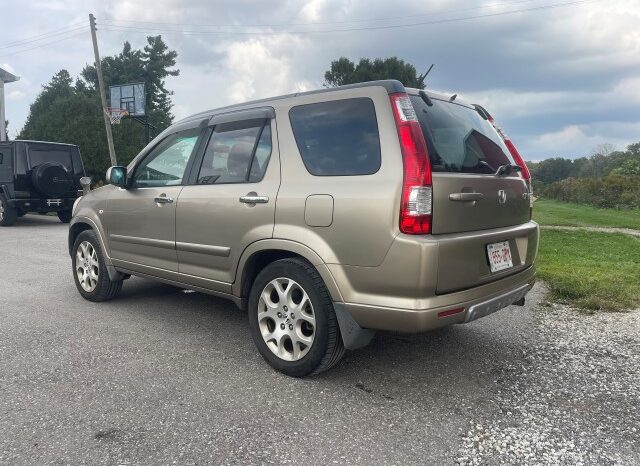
(507, 169)
(426, 98)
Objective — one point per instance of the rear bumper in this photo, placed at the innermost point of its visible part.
(477, 302)
(42, 205)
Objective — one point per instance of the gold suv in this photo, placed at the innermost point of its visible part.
(326, 215)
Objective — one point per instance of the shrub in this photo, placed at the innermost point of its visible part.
(613, 191)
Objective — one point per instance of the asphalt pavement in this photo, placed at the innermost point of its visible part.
(162, 376)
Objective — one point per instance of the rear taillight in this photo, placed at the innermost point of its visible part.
(417, 193)
(517, 158)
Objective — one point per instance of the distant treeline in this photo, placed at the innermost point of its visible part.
(607, 178)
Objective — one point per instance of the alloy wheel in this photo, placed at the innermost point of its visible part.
(286, 319)
(87, 266)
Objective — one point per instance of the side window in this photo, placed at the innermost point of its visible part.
(337, 138)
(237, 152)
(166, 163)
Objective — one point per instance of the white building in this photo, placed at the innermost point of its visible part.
(5, 77)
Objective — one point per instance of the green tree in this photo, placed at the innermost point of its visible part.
(71, 112)
(151, 65)
(344, 71)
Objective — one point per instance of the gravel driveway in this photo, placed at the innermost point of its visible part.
(160, 376)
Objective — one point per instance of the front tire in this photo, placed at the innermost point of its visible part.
(292, 319)
(90, 271)
(8, 214)
(65, 216)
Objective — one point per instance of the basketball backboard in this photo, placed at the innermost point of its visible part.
(130, 97)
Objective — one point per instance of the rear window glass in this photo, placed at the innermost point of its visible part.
(459, 139)
(338, 137)
(38, 156)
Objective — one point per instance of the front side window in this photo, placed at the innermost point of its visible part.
(338, 137)
(237, 152)
(166, 163)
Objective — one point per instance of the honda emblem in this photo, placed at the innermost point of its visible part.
(502, 196)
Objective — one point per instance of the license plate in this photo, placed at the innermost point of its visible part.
(499, 256)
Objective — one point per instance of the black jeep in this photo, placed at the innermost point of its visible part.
(38, 177)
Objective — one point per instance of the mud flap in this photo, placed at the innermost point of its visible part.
(353, 336)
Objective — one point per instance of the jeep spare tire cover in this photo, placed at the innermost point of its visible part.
(52, 179)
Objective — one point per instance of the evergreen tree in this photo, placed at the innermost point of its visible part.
(71, 112)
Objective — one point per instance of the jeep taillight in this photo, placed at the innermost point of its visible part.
(417, 192)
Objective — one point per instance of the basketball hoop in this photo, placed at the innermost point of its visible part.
(115, 114)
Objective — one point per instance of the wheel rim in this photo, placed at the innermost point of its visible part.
(1, 211)
(87, 266)
(286, 319)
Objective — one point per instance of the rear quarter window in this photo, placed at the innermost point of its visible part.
(337, 138)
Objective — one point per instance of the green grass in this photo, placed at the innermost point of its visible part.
(591, 271)
(550, 212)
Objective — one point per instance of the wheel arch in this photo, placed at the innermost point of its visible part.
(261, 253)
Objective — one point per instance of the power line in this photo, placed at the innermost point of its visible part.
(43, 36)
(43, 45)
(390, 18)
(124, 28)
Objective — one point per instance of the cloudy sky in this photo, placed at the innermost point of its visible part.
(561, 76)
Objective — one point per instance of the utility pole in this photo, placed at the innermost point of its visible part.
(103, 99)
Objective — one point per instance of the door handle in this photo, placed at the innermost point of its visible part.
(253, 198)
(163, 199)
(465, 197)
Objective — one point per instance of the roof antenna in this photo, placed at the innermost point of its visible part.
(422, 77)
(453, 97)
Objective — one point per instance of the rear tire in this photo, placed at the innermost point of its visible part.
(90, 271)
(292, 319)
(20, 213)
(8, 214)
(65, 216)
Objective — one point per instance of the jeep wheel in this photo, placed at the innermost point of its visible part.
(292, 320)
(8, 214)
(64, 216)
(89, 270)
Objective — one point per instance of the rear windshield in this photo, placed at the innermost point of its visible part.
(459, 139)
(40, 155)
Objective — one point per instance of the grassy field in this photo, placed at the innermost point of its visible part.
(550, 212)
(589, 270)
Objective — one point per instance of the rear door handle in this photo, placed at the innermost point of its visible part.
(163, 199)
(465, 197)
(253, 198)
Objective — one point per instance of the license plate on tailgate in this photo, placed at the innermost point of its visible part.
(499, 256)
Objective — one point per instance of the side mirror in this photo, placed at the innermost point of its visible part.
(117, 176)
(85, 182)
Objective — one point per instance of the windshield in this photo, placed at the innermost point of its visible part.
(459, 139)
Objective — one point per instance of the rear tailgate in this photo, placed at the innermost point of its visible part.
(473, 207)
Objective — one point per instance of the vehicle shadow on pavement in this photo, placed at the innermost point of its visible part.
(439, 359)
(34, 220)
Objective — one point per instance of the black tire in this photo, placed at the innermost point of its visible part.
(20, 213)
(327, 347)
(64, 216)
(8, 214)
(105, 289)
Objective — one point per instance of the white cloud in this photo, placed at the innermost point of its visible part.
(550, 77)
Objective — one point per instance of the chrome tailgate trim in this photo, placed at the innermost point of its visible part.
(495, 304)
